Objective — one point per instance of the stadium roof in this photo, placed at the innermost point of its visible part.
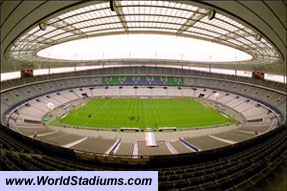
(144, 46)
(257, 28)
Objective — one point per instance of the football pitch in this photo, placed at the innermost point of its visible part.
(142, 113)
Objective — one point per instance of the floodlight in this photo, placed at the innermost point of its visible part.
(43, 26)
(211, 14)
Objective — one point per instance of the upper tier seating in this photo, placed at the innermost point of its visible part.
(142, 70)
(129, 80)
(143, 81)
(157, 81)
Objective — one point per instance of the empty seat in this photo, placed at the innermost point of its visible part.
(190, 188)
(265, 172)
(167, 185)
(255, 179)
(243, 186)
(222, 182)
(194, 180)
(180, 183)
(207, 186)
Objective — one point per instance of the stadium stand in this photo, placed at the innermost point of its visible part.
(60, 138)
(129, 80)
(143, 81)
(170, 81)
(180, 147)
(39, 129)
(96, 145)
(235, 136)
(113, 80)
(156, 80)
(126, 91)
(227, 160)
(233, 167)
(205, 143)
(160, 149)
(30, 131)
(125, 149)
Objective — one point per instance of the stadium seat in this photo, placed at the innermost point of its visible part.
(167, 185)
(190, 188)
(180, 183)
(265, 172)
(243, 186)
(207, 186)
(255, 179)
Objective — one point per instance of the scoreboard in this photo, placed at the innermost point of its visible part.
(258, 75)
(26, 73)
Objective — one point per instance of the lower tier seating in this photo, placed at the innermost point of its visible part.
(241, 166)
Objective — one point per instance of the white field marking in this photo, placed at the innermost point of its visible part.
(96, 111)
(224, 115)
(65, 115)
(223, 140)
(74, 143)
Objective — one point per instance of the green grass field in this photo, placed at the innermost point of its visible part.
(152, 113)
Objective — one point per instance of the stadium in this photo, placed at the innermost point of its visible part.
(193, 90)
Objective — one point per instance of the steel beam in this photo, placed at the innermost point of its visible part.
(63, 25)
(121, 14)
(195, 17)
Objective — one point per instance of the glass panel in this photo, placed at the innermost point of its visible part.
(63, 35)
(54, 33)
(40, 32)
